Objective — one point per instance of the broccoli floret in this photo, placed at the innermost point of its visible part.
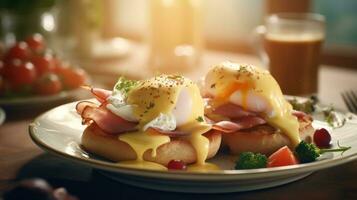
(250, 160)
(307, 152)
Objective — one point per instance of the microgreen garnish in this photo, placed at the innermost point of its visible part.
(124, 85)
(200, 119)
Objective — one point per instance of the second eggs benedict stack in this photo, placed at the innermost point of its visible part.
(246, 103)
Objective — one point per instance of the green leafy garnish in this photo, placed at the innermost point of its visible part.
(250, 160)
(309, 152)
(306, 106)
(200, 119)
(124, 85)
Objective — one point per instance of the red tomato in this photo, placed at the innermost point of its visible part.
(322, 138)
(43, 64)
(20, 74)
(176, 165)
(36, 42)
(282, 157)
(19, 51)
(48, 84)
(58, 65)
(72, 77)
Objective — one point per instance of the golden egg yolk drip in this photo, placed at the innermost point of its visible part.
(229, 77)
(159, 95)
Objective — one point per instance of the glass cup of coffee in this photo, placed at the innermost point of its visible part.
(290, 45)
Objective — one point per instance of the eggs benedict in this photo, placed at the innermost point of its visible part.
(246, 103)
(147, 123)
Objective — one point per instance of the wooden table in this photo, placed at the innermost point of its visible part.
(20, 158)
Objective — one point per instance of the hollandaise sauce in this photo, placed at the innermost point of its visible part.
(249, 83)
(159, 96)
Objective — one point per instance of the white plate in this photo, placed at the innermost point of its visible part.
(59, 131)
(38, 100)
(2, 116)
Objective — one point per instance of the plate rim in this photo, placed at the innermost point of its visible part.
(184, 175)
(38, 99)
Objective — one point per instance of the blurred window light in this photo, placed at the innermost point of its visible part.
(48, 22)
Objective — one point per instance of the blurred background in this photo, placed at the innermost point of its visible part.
(136, 37)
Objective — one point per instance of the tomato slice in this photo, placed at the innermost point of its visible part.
(282, 157)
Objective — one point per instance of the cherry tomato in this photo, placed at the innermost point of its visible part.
(36, 42)
(48, 84)
(176, 165)
(59, 65)
(43, 63)
(322, 138)
(20, 74)
(19, 51)
(282, 157)
(72, 77)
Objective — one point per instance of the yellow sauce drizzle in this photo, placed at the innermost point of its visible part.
(229, 77)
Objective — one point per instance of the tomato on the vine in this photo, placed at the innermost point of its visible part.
(48, 84)
(20, 74)
(36, 42)
(43, 63)
(72, 77)
(19, 51)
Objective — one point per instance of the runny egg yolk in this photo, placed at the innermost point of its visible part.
(157, 96)
(253, 89)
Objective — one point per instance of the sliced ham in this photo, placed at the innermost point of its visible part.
(302, 116)
(106, 120)
(81, 106)
(238, 124)
(232, 111)
(100, 94)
